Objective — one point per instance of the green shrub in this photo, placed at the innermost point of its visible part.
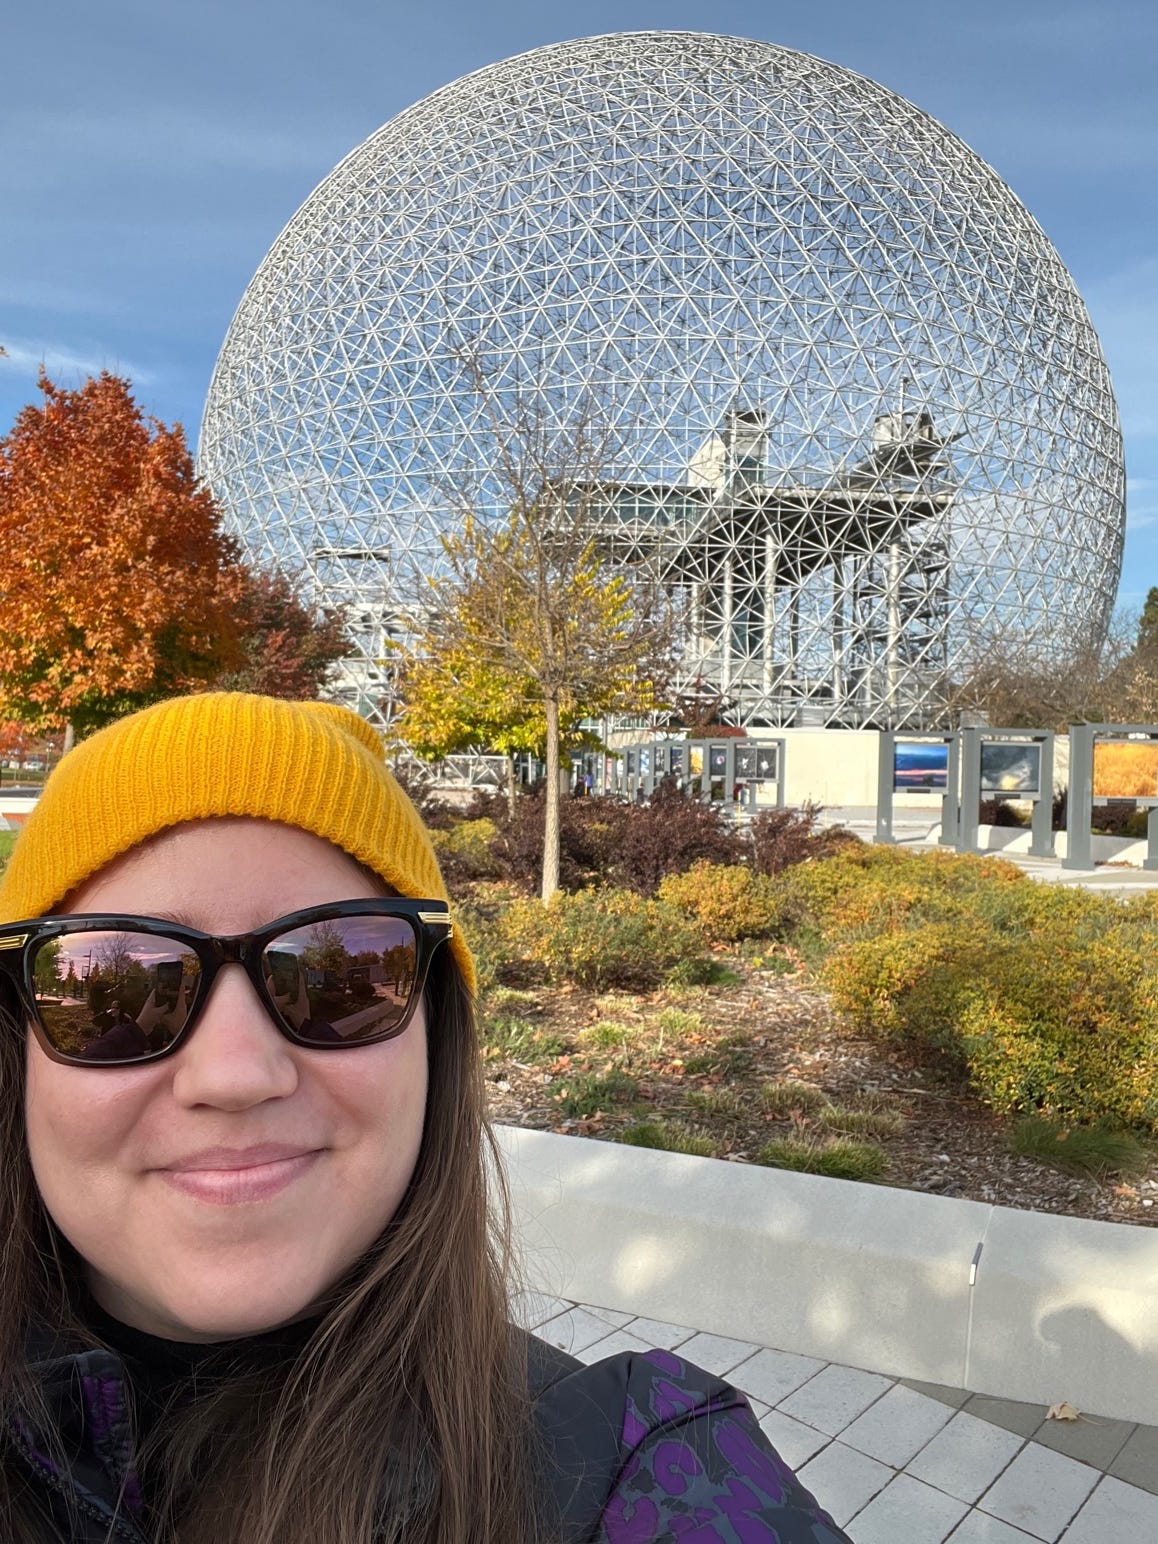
(1079, 1149)
(464, 850)
(600, 938)
(586, 1093)
(838, 1159)
(668, 1136)
(728, 902)
(906, 982)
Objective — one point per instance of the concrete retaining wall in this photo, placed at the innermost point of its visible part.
(1049, 1308)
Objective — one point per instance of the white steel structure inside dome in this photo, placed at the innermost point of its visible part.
(858, 415)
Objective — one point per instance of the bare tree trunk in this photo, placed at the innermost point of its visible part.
(551, 808)
(511, 792)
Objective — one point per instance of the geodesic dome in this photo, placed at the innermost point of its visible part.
(857, 414)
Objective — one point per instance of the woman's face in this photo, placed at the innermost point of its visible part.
(121, 1154)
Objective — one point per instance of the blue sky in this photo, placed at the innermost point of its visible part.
(152, 151)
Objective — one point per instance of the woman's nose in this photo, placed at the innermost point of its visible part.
(235, 1057)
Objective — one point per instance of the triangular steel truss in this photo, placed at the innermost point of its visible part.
(861, 418)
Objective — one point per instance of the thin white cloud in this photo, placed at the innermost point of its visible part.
(59, 360)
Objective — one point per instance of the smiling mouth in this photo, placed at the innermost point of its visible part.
(243, 1183)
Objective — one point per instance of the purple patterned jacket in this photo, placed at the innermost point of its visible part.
(637, 1449)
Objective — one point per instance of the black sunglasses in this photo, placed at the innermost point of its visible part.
(115, 991)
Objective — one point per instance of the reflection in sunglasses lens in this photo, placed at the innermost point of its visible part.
(115, 995)
(344, 980)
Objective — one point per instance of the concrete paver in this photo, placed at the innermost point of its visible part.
(903, 1463)
(1115, 1512)
(966, 1457)
(835, 1397)
(795, 1442)
(660, 1334)
(773, 1375)
(844, 1481)
(1041, 1491)
(617, 1341)
(717, 1353)
(907, 1509)
(897, 1427)
(1137, 1461)
(979, 1529)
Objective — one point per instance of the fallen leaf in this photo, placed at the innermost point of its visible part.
(1063, 1412)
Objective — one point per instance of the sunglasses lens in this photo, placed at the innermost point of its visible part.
(114, 996)
(343, 981)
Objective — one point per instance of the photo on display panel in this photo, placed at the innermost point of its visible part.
(920, 765)
(645, 762)
(1010, 768)
(745, 762)
(1126, 769)
(676, 758)
(696, 760)
(718, 761)
(768, 763)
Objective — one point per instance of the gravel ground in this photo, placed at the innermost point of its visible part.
(773, 1028)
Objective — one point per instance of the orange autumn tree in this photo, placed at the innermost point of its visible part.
(117, 584)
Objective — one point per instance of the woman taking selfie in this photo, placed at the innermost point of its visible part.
(252, 1289)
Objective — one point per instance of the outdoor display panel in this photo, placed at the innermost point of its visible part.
(768, 763)
(920, 766)
(696, 761)
(676, 759)
(718, 761)
(1126, 769)
(745, 762)
(1010, 768)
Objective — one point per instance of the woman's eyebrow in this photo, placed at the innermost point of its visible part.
(181, 918)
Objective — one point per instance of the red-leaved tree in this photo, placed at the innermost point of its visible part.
(117, 584)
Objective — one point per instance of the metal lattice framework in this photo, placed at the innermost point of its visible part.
(861, 419)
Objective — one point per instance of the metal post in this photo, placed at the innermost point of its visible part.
(1041, 840)
(730, 774)
(1080, 799)
(1150, 861)
(781, 771)
(952, 806)
(968, 836)
(885, 762)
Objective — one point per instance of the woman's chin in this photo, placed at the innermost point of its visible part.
(207, 1317)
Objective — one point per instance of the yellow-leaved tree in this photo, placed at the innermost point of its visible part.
(530, 626)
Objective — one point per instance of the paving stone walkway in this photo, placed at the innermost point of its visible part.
(898, 1462)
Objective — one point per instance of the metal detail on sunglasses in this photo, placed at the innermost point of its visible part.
(116, 990)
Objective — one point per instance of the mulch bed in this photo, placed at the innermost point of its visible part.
(771, 1027)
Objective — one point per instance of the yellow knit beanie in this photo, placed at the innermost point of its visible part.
(308, 764)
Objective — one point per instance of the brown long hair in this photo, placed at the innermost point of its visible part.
(406, 1416)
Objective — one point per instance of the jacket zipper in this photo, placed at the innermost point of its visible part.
(121, 1527)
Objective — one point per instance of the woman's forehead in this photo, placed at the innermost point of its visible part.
(231, 865)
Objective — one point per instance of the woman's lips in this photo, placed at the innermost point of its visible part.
(224, 1182)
